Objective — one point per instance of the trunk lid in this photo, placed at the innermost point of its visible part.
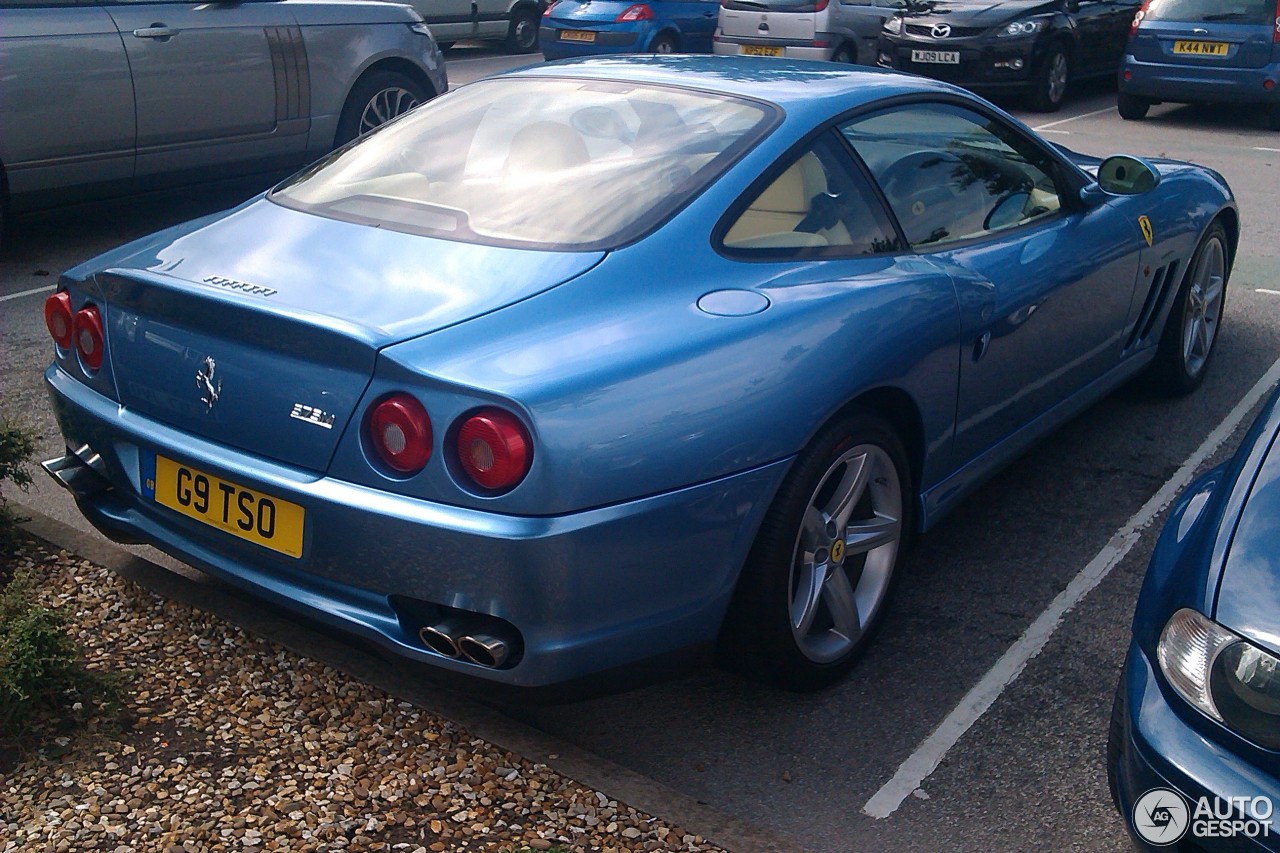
(261, 329)
(590, 11)
(769, 19)
(1205, 32)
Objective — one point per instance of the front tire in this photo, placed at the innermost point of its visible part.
(1186, 345)
(814, 588)
(845, 55)
(377, 98)
(1049, 84)
(522, 34)
(1131, 107)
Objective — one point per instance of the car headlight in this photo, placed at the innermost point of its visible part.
(893, 25)
(1225, 677)
(1020, 28)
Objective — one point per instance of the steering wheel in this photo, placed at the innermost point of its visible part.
(915, 186)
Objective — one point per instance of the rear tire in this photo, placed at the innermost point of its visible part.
(1049, 83)
(815, 585)
(846, 55)
(376, 98)
(1131, 107)
(522, 34)
(663, 44)
(1187, 342)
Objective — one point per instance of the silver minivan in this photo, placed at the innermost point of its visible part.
(840, 30)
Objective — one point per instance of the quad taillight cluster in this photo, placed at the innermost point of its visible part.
(491, 446)
(81, 330)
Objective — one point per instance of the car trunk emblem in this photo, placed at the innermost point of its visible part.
(208, 383)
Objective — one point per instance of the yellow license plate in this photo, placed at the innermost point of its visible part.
(577, 35)
(759, 50)
(1201, 48)
(250, 515)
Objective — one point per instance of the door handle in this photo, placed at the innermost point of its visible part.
(155, 31)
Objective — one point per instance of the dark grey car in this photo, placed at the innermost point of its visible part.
(103, 98)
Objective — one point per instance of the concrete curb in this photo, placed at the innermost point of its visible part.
(619, 783)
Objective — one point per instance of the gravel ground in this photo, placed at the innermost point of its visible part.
(231, 742)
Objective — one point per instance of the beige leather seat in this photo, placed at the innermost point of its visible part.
(771, 220)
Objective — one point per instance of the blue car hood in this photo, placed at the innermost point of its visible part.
(1249, 591)
(283, 314)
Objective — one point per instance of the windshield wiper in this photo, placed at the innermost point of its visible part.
(1226, 16)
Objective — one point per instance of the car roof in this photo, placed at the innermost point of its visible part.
(795, 85)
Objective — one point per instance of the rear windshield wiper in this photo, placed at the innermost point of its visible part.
(1226, 16)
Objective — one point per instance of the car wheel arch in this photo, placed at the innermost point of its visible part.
(388, 65)
(668, 33)
(396, 65)
(899, 408)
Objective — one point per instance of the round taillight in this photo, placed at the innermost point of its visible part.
(86, 328)
(494, 449)
(400, 432)
(57, 318)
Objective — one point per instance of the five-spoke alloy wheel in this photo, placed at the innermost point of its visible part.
(1186, 344)
(814, 588)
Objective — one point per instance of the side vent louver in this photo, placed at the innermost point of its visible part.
(1162, 281)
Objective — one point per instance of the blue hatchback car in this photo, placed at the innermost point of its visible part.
(1194, 749)
(1203, 51)
(587, 27)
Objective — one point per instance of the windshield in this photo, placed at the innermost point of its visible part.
(546, 163)
(1207, 11)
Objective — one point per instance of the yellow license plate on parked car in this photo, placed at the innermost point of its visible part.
(250, 515)
(577, 35)
(1201, 48)
(759, 50)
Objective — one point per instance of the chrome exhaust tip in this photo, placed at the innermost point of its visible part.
(439, 638)
(484, 649)
(81, 472)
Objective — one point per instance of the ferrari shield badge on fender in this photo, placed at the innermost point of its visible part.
(1145, 224)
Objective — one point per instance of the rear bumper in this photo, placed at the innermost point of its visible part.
(732, 46)
(576, 595)
(1203, 84)
(1154, 747)
(633, 39)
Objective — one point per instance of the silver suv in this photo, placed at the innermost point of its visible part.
(840, 30)
(107, 99)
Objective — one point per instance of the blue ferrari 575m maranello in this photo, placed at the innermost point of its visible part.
(611, 360)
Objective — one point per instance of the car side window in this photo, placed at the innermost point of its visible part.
(950, 173)
(819, 205)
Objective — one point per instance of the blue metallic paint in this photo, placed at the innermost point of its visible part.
(660, 431)
(1211, 557)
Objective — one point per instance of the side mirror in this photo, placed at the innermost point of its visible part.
(1125, 175)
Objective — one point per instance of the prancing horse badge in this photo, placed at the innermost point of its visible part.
(1145, 225)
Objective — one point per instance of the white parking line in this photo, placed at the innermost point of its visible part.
(1259, 148)
(32, 292)
(977, 701)
(1264, 290)
(1073, 118)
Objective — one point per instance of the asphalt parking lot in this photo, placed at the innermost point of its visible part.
(845, 769)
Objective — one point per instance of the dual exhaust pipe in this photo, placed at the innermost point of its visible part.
(452, 639)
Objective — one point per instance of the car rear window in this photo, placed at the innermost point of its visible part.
(540, 163)
(1209, 11)
(775, 5)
